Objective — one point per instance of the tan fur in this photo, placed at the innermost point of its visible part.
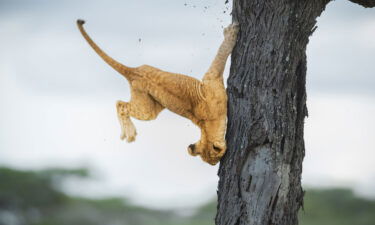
(203, 102)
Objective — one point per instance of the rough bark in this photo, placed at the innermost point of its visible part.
(260, 175)
(365, 3)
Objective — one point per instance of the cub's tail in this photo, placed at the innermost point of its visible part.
(122, 69)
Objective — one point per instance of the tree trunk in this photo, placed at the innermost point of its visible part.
(260, 175)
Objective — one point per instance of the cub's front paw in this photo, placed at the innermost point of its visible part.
(230, 32)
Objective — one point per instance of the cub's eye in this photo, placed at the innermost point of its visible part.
(217, 149)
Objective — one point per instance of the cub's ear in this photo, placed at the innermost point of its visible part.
(192, 150)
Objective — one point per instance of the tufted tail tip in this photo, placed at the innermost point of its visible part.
(80, 22)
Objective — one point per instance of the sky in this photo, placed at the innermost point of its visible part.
(57, 97)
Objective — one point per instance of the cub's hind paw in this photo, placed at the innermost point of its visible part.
(123, 135)
(129, 131)
(130, 137)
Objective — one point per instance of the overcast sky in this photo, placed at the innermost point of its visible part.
(57, 97)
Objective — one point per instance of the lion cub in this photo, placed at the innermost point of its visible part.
(203, 102)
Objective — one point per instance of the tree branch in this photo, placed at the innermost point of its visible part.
(365, 3)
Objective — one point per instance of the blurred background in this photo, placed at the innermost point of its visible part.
(61, 158)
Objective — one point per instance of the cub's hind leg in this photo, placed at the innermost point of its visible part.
(141, 106)
(128, 130)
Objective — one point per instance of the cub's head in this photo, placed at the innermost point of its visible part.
(211, 147)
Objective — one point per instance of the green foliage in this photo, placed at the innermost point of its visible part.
(33, 198)
(337, 207)
(25, 189)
